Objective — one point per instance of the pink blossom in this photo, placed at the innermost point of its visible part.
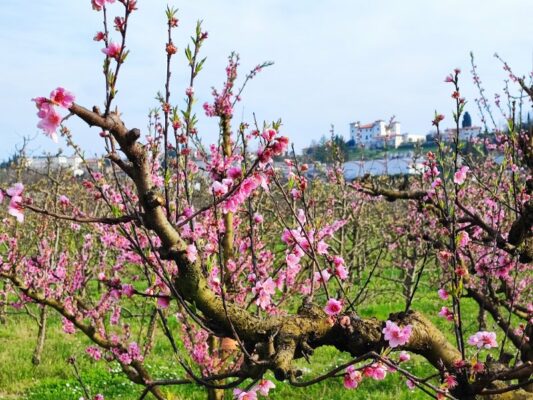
(99, 4)
(395, 335)
(15, 204)
(410, 384)
(64, 200)
(188, 212)
(269, 134)
(192, 253)
(68, 326)
(99, 36)
(163, 302)
(219, 189)
(443, 294)
(322, 276)
(135, 352)
(404, 356)
(99, 397)
(264, 291)
(115, 316)
(375, 371)
(50, 121)
(15, 190)
(340, 268)
(112, 50)
(209, 110)
(239, 394)
(258, 218)
(124, 358)
(128, 290)
(280, 145)
(322, 247)
(352, 378)
(62, 97)
(235, 172)
(341, 272)
(436, 183)
(94, 352)
(264, 386)
(39, 102)
(460, 175)
(292, 260)
(333, 307)
(189, 91)
(296, 194)
(450, 381)
(287, 237)
(478, 367)
(483, 339)
(338, 261)
(446, 313)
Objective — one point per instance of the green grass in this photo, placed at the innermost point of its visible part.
(54, 378)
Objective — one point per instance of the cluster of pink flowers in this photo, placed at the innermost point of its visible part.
(483, 339)
(276, 146)
(126, 357)
(352, 378)
(49, 117)
(460, 175)
(395, 335)
(68, 326)
(264, 291)
(376, 371)
(245, 190)
(223, 104)
(94, 353)
(340, 268)
(263, 388)
(15, 202)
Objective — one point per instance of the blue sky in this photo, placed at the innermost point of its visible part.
(337, 61)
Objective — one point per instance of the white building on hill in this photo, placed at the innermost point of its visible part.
(465, 133)
(376, 134)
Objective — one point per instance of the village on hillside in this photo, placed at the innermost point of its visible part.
(381, 139)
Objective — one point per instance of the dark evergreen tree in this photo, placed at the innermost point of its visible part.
(467, 120)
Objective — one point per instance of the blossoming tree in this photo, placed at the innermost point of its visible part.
(256, 277)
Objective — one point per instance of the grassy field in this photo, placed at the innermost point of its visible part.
(54, 378)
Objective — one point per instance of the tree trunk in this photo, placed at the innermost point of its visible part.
(3, 303)
(150, 334)
(41, 335)
(214, 394)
